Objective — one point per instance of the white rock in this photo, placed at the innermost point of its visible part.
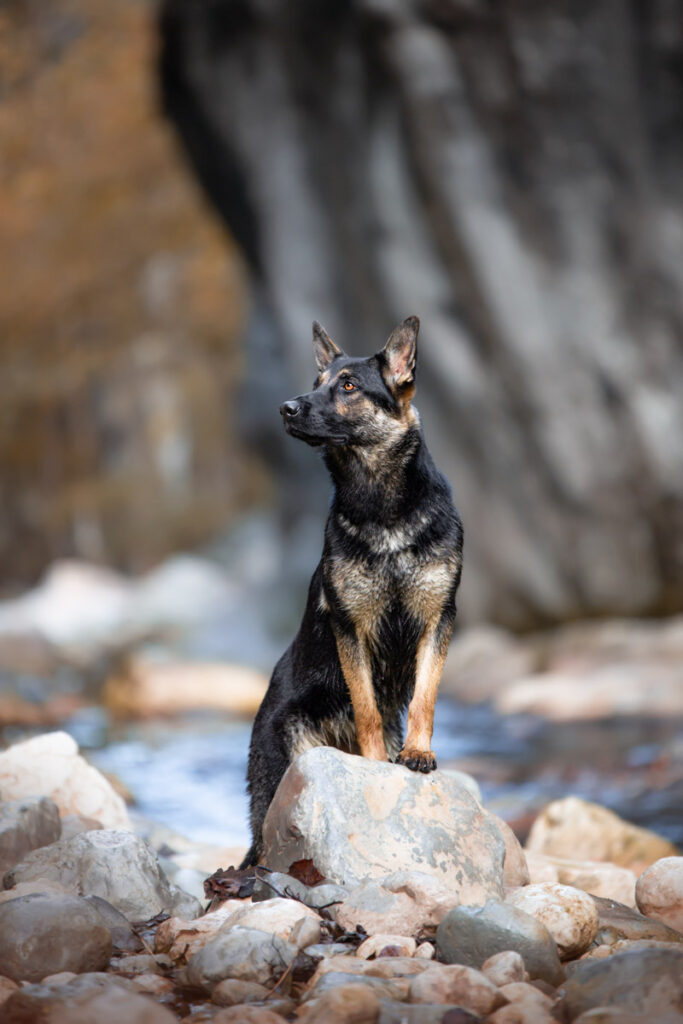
(570, 915)
(376, 943)
(598, 878)
(183, 938)
(659, 892)
(455, 984)
(50, 765)
(504, 968)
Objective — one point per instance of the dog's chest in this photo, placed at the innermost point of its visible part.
(396, 574)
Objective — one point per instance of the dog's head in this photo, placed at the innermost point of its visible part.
(361, 402)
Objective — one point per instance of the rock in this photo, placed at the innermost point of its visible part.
(504, 968)
(401, 1013)
(349, 1004)
(470, 935)
(406, 902)
(277, 883)
(183, 938)
(50, 765)
(659, 892)
(247, 1015)
(425, 951)
(599, 879)
(26, 825)
(125, 940)
(327, 949)
(89, 999)
(359, 819)
(622, 946)
(570, 915)
(232, 992)
(572, 824)
(618, 922)
(522, 992)
(649, 688)
(7, 987)
(522, 1013)
(281, 917)
(457, 985)
(152, 985)
(647, 981)
(146, 687)
(142, 963)
(243, 953)
(118, 866)
(74, 824)
(385, 967)
(515, 868)
(376, 943)
(41, 885)
(615, 1015)
(384, 988)
(44, 934)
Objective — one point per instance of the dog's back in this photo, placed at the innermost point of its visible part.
(381, 604)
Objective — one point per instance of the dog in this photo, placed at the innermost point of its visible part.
(381, 603)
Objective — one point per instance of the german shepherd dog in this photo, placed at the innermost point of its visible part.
(381, 604)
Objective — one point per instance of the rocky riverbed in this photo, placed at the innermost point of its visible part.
(385, 896)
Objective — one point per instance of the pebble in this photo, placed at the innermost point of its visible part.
(244, 953)
(88, 999)
(232, 992)
(455, 984)
(470, 935)
(425, 951)
(569, 914)
(659, 892)
(504, 968)
(277, 883)
(645, 981)
(376, 943)
(352, 1003)
(42, 934)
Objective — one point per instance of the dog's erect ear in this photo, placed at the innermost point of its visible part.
(399, 355)
(324, 348)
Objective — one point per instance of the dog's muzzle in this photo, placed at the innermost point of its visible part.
(288, 410)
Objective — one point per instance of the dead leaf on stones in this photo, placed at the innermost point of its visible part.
(146, 930)
(305, 872)
(229, 883)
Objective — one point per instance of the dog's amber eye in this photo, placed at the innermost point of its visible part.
(349, 386)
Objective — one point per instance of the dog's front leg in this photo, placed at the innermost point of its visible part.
(416, 753)
(355, 664)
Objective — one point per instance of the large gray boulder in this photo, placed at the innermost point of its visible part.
(358, 819)
(26, 825)
(116, 865)
(46, 933)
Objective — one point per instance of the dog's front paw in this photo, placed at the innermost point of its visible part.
(417, 760)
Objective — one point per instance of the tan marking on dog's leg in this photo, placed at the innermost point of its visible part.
(429, 663)
(355, 665)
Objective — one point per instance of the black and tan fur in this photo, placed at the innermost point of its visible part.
(381, 604)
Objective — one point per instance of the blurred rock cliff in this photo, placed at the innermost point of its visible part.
(512, 173)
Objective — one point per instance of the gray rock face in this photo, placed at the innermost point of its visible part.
(99, 998)
(243, 953)
(470, 935)
(26, 825)
(45, 934)
(359, 819)
(646, 982)
(124, 939)
(116, 865)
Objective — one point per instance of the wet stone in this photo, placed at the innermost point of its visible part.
(43, 934)
(645, 981)
(470, 935)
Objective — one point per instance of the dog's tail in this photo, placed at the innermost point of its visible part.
(251, 858)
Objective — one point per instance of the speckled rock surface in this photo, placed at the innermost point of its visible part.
(659, 892)
(359, 819)
(569, 914)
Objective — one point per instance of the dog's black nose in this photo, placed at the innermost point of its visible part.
(290, 409)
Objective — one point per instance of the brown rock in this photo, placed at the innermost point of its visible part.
(522, 1013)
(425, 951)
(522, 992)
(152, 985)
(659, 892)
(348, 1004)
(618, 922)
(504, 968)
(569, 914)
(150, 688)
(456, 984)
(385, 967)
(7, 987)
(233, 992)
(572, 824)
(87, 999)
(246, 1015)
(599, 879)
